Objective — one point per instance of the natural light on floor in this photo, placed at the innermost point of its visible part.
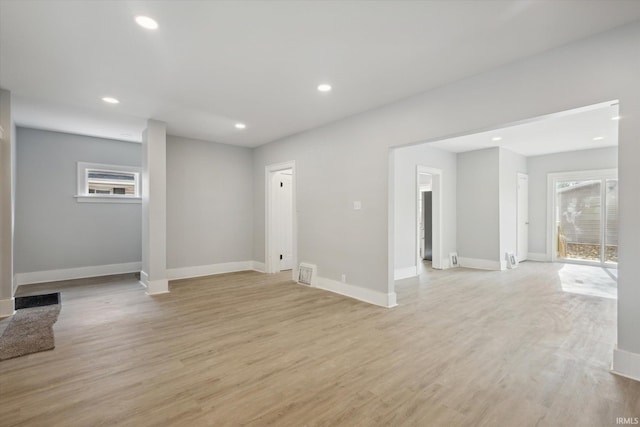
(589, 280)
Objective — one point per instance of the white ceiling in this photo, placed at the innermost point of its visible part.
(214, 63)
(566, 131)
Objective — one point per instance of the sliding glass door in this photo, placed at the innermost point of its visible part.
(585, 220)
(611, 222)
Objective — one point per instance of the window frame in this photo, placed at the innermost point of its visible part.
(83, 195)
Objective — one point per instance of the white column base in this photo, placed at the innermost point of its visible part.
(7, 307)
(154, 287)
(626, 364)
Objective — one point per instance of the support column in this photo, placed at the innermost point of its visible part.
(626, 355)
(7, 191)
(154, 208)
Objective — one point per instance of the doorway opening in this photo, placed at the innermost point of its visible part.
(280, 226)
(425, 215)
(428, 218)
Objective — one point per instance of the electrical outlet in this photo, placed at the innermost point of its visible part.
(344, 278)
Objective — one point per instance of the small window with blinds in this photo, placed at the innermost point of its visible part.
(108, 183)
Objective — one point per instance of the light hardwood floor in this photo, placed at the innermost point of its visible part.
(463, 348)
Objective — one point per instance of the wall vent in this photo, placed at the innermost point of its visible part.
(307, 274)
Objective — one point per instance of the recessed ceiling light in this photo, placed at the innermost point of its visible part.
(598, 138)
(615, 118)
(324, 87)
(146, 22)
(110, 100)
(496, 138)
(240, 126)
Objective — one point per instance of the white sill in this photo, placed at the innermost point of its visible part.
(82, 198)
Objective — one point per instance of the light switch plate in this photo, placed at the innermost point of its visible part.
(357, 205)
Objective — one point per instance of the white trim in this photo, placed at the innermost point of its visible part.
(75, 273)
(7, 307)
(357, 292)
(270, 265)
(83, 195)
(391, 214)
(551, 219)
(257, 266)
(481, 264)
(520, 175)
(626, 364)
(104, 198)
(208, 270)
(536, 256)
(436, 219)
(405, 273)
(157, 287)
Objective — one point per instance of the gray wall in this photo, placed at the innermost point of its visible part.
(406, 160)
(52, 230)
(540, 166)
(510, 165)
(209, 203)
(478, 205)
(348, 160)
(335, 166)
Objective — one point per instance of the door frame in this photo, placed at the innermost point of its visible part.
(518, 176)
(269, 262)
(437, 261)
(552, 178)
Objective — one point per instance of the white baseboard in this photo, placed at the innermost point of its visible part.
(534, 256)
(626, 364)
(7, 307)
(405, 273)
(75, 273)
(481, 264)
(258, 266)
(209, 270)
(357, 292)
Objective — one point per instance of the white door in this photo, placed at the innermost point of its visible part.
(523, 217)
(283, 210)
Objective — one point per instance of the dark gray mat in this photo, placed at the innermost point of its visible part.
(30, 330)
